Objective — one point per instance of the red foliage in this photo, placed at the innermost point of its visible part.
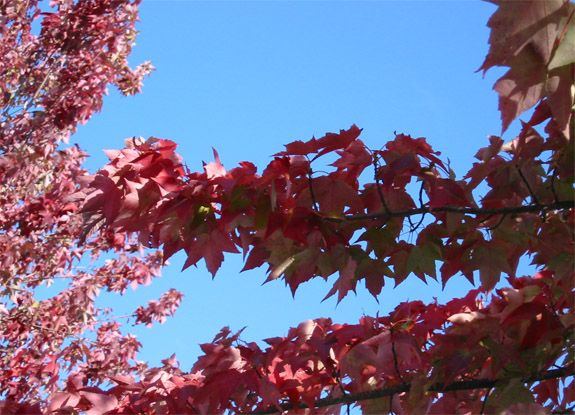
(49, 82)
(487, 352)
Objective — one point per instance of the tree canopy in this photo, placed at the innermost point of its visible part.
(502, 350)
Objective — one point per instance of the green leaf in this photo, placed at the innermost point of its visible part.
(490, 261)
(508, 393)
(564, 54)
(422, 259)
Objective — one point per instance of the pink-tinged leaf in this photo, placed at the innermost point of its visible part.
(62, 400)
(101, 402)
(171, 361)
(108, 198)
(487, 153)
(304, 331)
(514, 25)
(112, 154)
(521, 87)
(524, 36)
(167, 149)
(215, 168)
(123, 380)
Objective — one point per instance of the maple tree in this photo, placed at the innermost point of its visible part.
(52, 77)
(502, 348)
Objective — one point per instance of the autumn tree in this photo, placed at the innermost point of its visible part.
(496, 350)
(56, 65)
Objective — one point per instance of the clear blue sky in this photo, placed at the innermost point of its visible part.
(247, 78)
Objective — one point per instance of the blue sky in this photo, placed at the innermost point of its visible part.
(247, 78)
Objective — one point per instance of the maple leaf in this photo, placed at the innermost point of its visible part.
(422, 259)
(524, 36)
(564, 53)
(215, 168)
(447, 192)
(209, 246)
(490, 261)
(514, 25)
(346, 281)
(101, 402)
(522, 86)
(373, 271)
(328, 143)
(334, 195)
(298, 222)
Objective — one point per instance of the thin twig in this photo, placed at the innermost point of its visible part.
(533, 197)
(486, 218)
(315, 205)
(553, 184)
(499, 222)
(413, 229)
(39, 89)
(552, 305)
(485, 400)
(396, 363)
(376, 178)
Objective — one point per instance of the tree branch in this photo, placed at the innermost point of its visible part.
(570, 204)
(405, 387)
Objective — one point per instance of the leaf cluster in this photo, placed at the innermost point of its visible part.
(502, 350)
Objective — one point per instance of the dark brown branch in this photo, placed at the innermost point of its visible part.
(458, 209)
(472, 384)
(396, 363)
